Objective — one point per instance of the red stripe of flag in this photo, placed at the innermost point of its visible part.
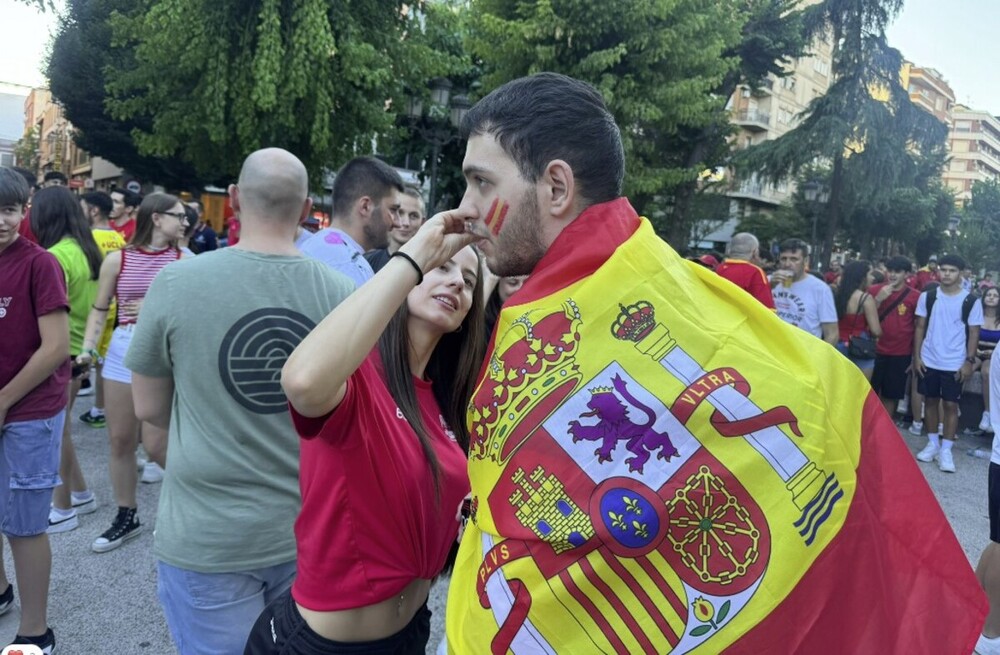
(664, 588)
(615, 602)
(592, 610)
(655, 612)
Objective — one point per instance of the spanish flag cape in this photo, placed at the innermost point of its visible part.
(660, 465)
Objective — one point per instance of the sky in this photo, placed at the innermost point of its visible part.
(959, 38)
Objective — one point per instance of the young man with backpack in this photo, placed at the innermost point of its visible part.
(944, 351)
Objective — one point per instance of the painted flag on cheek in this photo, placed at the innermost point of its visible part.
(661, 465)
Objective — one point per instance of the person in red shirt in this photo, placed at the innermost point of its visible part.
(739, 268)
(232, 231)
(125, 204)
(34, 374)
(927, 274)
(897, 304)
(383, 438)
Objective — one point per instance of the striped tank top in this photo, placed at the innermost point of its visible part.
(139, 267)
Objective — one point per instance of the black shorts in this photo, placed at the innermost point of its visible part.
(281, 629)
(994, 494)
(940, 384)
(889, 376)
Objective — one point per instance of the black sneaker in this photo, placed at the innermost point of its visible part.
(7, 599)
(47, 641)
(93, 421)
(125, 527)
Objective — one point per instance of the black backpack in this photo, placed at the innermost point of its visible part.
(967, 305)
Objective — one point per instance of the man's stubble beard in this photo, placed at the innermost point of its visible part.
(375, 231)
(518, 247)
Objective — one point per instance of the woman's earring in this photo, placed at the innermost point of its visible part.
(458, 329)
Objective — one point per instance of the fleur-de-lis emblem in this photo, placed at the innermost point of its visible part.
(632, 505)
(640, 529)
(617, 521)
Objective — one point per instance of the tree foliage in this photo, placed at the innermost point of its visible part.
(218, 80)
(26, 151)
(980, 227)
(80, 53)
(657, 64)
(877, 141)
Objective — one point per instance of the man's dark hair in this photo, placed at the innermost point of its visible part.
(952, 260)
(363, 176)
(100, 200)
(131, 198)
(28, 176)
(14, 189)
(547, 116)
(55, 175)
(789, 245)
(899, 263)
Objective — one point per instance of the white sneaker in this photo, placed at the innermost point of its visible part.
(945, 461)
(917, 428)
(59, 522)
(929, 452)
(140, 462)
(152, 473)
(86, 505)
(902, 405)
(940, 428)
(984, 424)
(986, 646)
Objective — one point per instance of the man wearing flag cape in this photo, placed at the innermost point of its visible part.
(659, 464)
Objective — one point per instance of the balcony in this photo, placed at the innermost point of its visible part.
(766, 88)
(755, 191)
(753, 120)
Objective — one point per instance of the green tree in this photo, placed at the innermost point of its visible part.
(980, 226)
(26, 151)
(218, 80)
(81, 51)
(865, 126)
(657, 64)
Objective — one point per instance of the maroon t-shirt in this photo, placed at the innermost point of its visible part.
(900, 324)
(31, 285)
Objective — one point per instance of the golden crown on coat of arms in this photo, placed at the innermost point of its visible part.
(532, 370)
(634, 322)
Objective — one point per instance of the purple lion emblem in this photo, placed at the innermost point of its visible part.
(614, 425)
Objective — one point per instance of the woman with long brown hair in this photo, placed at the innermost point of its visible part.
(378, 393)
(125, 276)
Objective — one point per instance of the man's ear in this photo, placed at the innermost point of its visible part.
(364, 206)
(560, 188)
(234, 197)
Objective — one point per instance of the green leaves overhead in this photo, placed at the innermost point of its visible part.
(312, 76)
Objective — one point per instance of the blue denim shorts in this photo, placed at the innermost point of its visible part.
(29, 471)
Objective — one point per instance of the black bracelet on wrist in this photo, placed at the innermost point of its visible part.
(413, 262)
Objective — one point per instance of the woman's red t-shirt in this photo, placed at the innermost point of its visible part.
(370, 523)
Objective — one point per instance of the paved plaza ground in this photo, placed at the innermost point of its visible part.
(107, 603)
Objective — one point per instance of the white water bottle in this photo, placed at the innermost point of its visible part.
(981, 453)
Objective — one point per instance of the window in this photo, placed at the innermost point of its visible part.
(821, 67)
(963, 126)
(6, 159)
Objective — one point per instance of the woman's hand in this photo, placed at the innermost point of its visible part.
(439, 238)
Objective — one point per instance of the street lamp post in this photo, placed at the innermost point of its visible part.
(438, 126)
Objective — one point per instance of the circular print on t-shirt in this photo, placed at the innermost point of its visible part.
(253, 352)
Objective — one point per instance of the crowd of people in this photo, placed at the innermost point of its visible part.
(390, 396)
(879, 317)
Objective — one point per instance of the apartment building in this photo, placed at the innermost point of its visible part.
(974, 142)
(929, 90)
(767, 113)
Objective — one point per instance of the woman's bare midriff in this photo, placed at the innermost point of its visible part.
(372, 621)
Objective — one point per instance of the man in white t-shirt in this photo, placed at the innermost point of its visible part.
(944, 350)
(800, 298)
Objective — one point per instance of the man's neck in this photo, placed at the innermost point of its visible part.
(102, 224)
(950, 290)
(122, 220)
(351, 228)
(3, 248)
(268, 238)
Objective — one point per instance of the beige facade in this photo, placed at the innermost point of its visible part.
(929, 90)
(769, 112)
(57, 151)
(974, 142)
